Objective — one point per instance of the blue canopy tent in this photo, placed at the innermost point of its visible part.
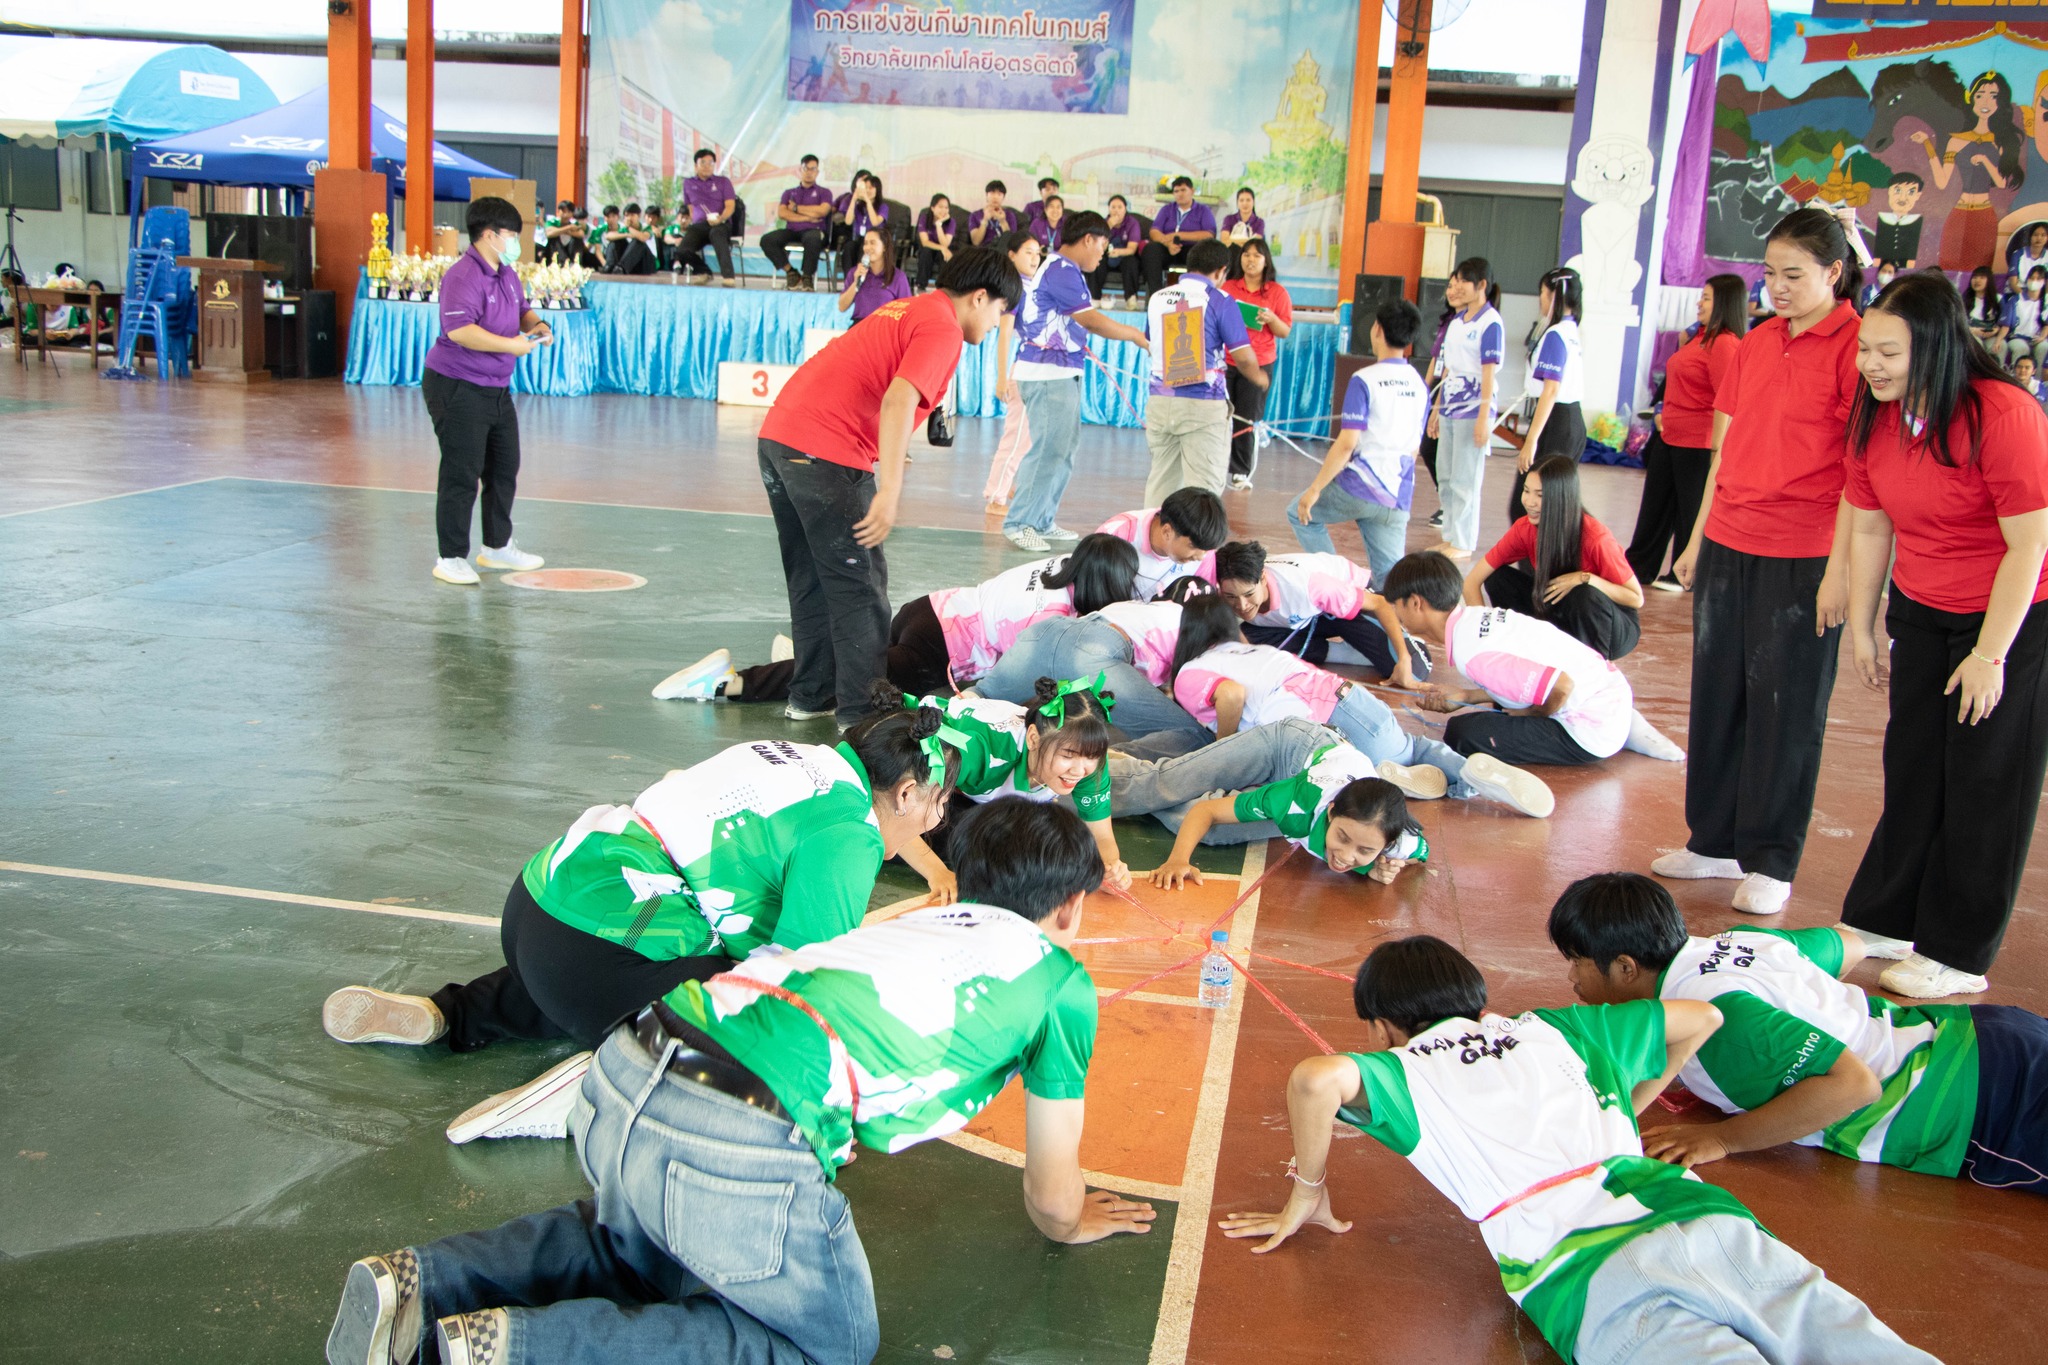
(282, 148)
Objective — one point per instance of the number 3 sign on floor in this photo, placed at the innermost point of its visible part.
(750, 385)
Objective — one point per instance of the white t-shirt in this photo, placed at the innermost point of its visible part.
(1155, 570)
(1469, 345)
(1517, 659)
(982, 622)
(1154, 631)
(1558, 357)
(1387, 404)
(1276, 685)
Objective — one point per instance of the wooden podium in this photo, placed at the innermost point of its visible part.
(231, 346)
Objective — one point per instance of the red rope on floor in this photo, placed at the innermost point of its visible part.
(1301, 966)
(1281, 1005)
(1140, 985)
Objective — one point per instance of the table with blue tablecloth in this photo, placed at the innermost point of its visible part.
(659, 340)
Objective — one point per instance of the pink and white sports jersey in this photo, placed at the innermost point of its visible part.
(983, 621)
(1155, 571)
(1276, 685)
(1154, 631)
(1516, 659)
(1302, 587)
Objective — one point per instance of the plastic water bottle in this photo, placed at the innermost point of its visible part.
(1216, 973)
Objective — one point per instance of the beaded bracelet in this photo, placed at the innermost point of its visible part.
(1298, 1179)
(1995, 663)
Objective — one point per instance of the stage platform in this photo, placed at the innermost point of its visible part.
(657, 339)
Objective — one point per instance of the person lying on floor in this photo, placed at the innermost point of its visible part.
(1301, 602)
(1158, 776)
(1806, 1057)
(1176, 539)
(698, 872)
(714, 1122)
(1558, 700)
(1527, 1125)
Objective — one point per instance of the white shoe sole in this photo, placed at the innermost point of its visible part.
(468, 582)
(798, 713)
(479, 1119)
(364, 1014)
(522, 565)
(781, 650)
(1923, 986)
(681, 684)
(1694, 873)
(1748, 908)
(361, 1334)
(1511, 786)
(1419, 783)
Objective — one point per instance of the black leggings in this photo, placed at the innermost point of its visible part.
(1564, 433)
(1674, 481)
(558, 982)
(1585, 613)
(917, 660)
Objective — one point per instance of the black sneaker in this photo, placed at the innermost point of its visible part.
(1436, 518)
(792, 279)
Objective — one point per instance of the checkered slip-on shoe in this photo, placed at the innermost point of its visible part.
(380, 1305)
(473, 1338)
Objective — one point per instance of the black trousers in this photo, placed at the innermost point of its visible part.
(690, 250)
(478, 429)
(928, 263)
(838, 589)
(1760, 685)
(630, 256)
(1126, 268)
(916, 661)
(775, 246)
(2009, 1137)
(1944, 862)
(1520, 740)
(1155, 259)
(1427, 452)
(1674, 481)
(1564, 433)
(1362, 632)
(558, 982)
(1586, 614)
(1247, 406)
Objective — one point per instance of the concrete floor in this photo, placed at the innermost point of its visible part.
(238, 675)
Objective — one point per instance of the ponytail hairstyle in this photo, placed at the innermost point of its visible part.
(1205, 622)
(891, 742)
(1184, 590)
(1478, 270)
(1376, 802)
(1729, 315)
(1567, 295)
(1078, 722)
(1819, 234)
(1100, 570)
(1944, 368)
(1557, 534)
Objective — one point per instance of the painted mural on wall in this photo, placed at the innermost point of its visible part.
(1935, 133)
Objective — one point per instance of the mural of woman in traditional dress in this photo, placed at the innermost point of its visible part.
(1983, 156)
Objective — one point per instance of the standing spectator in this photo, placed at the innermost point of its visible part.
(1949, 463)
(935, 233)
(1463, 421)
(832, 451)
(1369, 475)
(1052, 211)
(1058, 316)
(1177, 227)
(630, 250)
(1026, 254)
(1557, 381)
(1254, 282)
(1768, 565)
(1675, 462)
(1125, 241)
(865, 209)
(1187, 419)
(1035, 211)
(876, 280)
(2026, 317)
(708, 200)
(1433, 377)
(991, 220)
(485, 328)
(803, 213)
(1578, 579)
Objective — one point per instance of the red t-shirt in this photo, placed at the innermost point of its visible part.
(1691, 377)
(1946, 520)
(831, 408)
(1265, 346)
(1598, 553)
(1787, 399)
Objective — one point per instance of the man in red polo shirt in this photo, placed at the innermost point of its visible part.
(832, 452)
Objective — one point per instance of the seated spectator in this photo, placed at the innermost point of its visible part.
(709, 201)
(661, 235)
(2025, 317)
(1034, 212)
(1880, 277)
(935, 233)
(1984, 309)
(630, 250)
(991, 220)
(2024, 257)
(865, 209)
(1177, 227)
(1578, 578)
(1243, 225)
(875, 280)
(562, 232)
(597, 238)
(803, 217)
(2023, 373)
(1125, 242)
(1052, 211)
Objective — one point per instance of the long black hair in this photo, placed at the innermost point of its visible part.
(1078, 726)
(1729, 314)
(1204, 623)
(888, 271)
(1557, 533)
(890, 742)
(1478, 270)
(1101, 569)
(1377, 802)
(1819, 234)
(1271, 275)
(1567, 294)
(1944, 366)
(2003, 125)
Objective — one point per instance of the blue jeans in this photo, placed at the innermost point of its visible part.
(713, 1236)
(1365, 720)
(1384, 529)
(1169, 787)
(1460, 475)
(1054, 409)
(1067, 647)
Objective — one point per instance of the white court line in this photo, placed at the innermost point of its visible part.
(995, 1151)
(131, 493)
(249, 893)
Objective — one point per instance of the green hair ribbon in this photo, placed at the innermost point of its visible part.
(1055, 708)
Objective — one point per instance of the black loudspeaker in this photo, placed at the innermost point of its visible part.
(1369, 293)
(316, 334)
(1430, 299)
(286, 242)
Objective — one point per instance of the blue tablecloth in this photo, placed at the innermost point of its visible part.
(657, 340)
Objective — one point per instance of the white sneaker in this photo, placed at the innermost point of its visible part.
(1240, 483)
(1060, 534)
(1511, 786)
(364, 1014)
(700, 681)
(1645, 738)
(475, 1338)
(1686, 865)
(1419, 783)
(792, 711)
(456, 571)
(1925, 979)
(1761, 895)
(1024, 538)
(539, 1109)
(781, 650)
(1877, 945)
(508, 556)
(380, 1304)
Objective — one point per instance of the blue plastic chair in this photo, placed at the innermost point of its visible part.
(152, 301)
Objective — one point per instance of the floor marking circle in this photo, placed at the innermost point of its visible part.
(575, 580)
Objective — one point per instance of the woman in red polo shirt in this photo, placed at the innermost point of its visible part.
(1768, 566)
(1577, 579)
(1949, 460)
(1675, 462)
(1253, 281)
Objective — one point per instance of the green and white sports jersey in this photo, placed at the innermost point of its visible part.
(1788, 1018)
(699, 863)
(1488, 1111)
(938, 1009)
(992, 763)
(1300, 805)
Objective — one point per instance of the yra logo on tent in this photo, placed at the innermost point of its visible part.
(176, 161)
(209, 85)
(278, 143)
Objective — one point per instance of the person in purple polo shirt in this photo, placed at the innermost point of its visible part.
(1034, 212)
(1125, 242)
(708, 200)
(991, 220)
(1052, 211)
(1187, 425)
(485, 328)
(805, 214)
(936, 232)
(1240, 227)
(876, 280)
(1178, 226)
(1057, 317)
(862, 209)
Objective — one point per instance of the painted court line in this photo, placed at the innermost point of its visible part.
(995, 1151)
(249, 893)
(110, 497)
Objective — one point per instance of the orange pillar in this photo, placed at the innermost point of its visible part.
(1394, 243)
(348, 86)
(346, 192)
(1365, 107)
(419, 126)
(569, 169)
